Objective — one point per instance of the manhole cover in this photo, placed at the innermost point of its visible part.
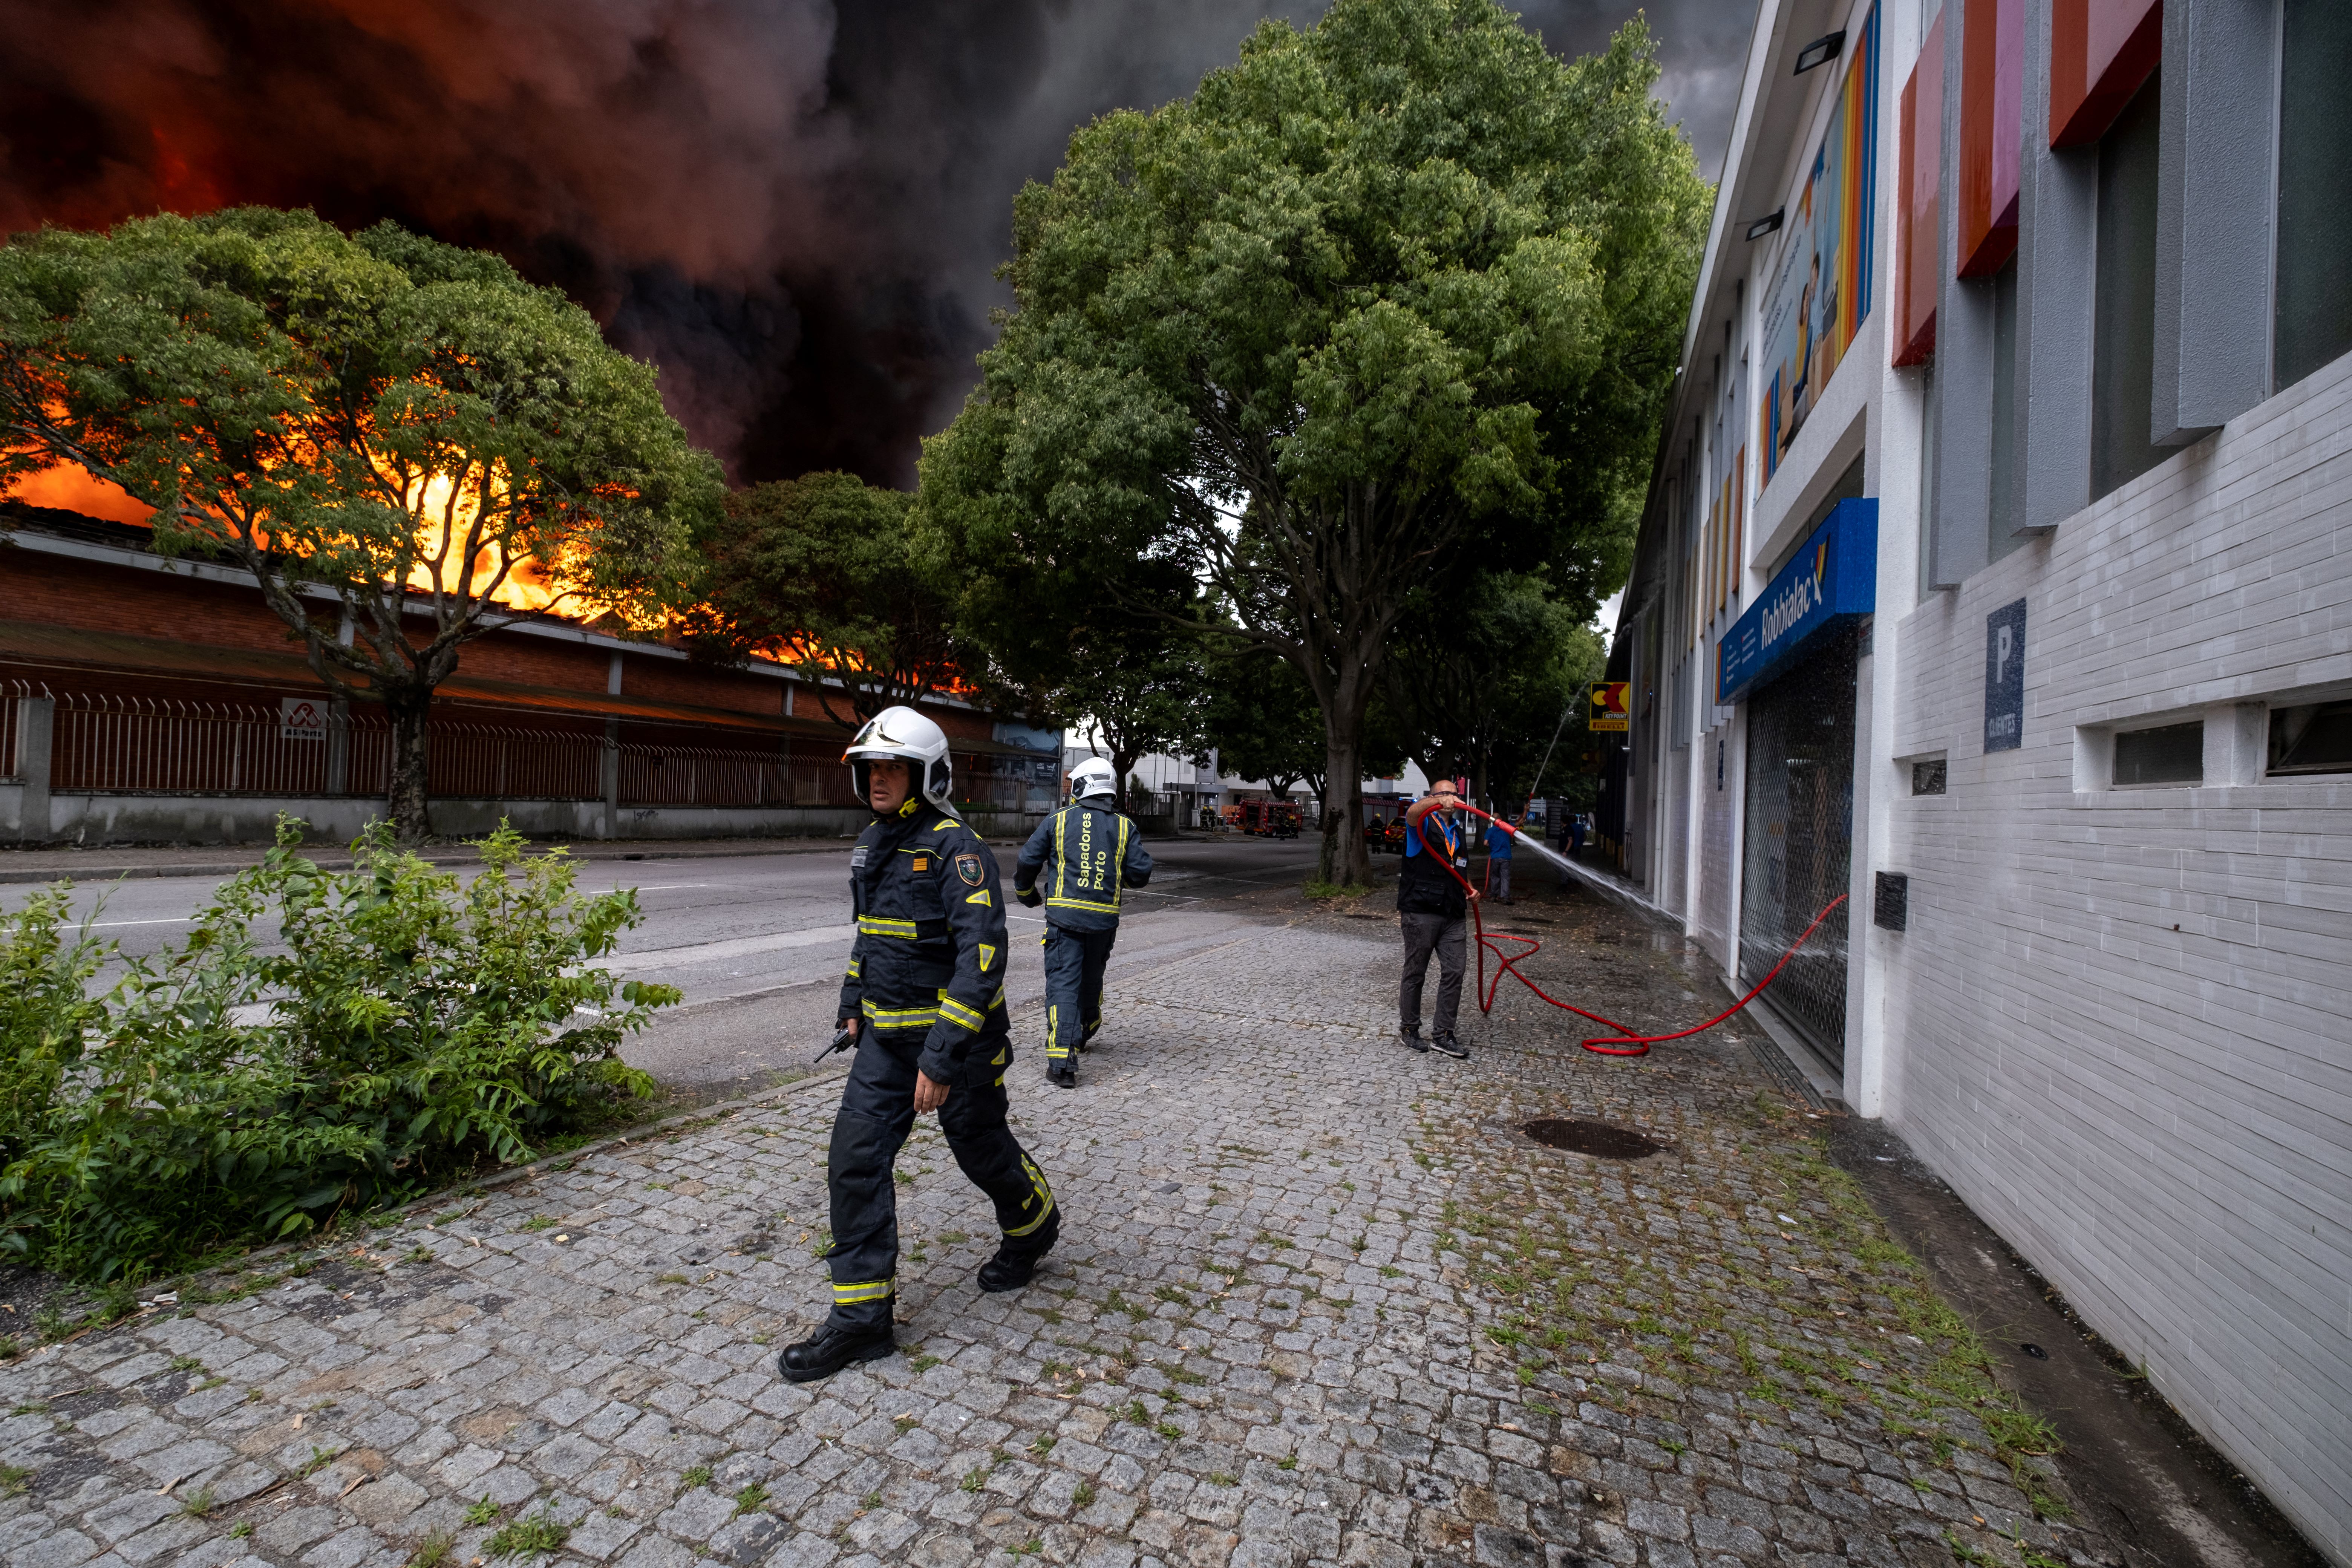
(1597, 1138)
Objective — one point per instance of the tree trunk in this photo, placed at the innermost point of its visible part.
(407, 711)
(1345, 860)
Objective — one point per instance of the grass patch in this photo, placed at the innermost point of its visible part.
(694, 1475)
(539, 1535)
(431, 1552)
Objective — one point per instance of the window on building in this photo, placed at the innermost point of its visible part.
(2315, 738)
(2312, 320)
(2123, 307)
(2002, 535)
(1927, 778)
(2171, 755)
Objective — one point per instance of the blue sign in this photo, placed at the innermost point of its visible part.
(2005, 677)
(1832, 579)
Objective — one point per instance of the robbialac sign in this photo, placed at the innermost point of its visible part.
(1832, 579)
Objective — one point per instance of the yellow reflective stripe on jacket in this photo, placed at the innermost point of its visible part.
(901, 1017)
(854, 967)
(987, 957)
(1061, 859)
(1055, 899)
(875, 925)
(981, 897)
(869, 1290)
(955, 1011)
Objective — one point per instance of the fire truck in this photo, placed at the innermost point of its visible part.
(1266, 818)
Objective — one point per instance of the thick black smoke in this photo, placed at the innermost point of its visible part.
(793, 208)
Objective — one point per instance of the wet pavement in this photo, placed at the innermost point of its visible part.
(1318, 1301)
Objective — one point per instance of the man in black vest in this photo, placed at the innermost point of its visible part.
(1088, 854)
(1433, 902)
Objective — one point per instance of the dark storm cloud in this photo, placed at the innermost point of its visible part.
(793, 209)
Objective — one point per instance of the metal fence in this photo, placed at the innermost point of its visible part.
(482, 762)
(144, 745)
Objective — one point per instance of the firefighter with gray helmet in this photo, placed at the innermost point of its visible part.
(1088, 854)
(923, 1001)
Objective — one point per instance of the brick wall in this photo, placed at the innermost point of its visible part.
(63, 591)
(675, 681)
(536, 661)
(2121, 1021)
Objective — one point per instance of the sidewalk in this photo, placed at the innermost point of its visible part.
(1317, 1301)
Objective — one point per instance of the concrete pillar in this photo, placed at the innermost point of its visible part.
(339, 746)
(1959, 510)
(613, 772)
(2216, 184)
(37, 728)
(2057, 249)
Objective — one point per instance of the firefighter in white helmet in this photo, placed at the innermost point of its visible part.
(1089, 854)
(924, 999)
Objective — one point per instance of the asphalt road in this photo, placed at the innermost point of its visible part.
(757, 942)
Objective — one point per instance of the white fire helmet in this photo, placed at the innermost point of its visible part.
(1094, 777)
(903, 733)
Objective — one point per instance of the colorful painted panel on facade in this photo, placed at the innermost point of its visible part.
(1821, 287)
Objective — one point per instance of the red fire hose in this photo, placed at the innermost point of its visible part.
(1624, 1042)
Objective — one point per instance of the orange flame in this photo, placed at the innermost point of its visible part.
(71, 488)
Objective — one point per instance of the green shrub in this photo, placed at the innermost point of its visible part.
(412, 1029)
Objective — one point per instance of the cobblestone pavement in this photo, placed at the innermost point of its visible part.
(1317, 1301)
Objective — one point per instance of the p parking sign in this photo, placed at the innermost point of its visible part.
(2004, 707)
(1609, 713)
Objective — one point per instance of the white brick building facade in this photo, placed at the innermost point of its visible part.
(2118, 1017)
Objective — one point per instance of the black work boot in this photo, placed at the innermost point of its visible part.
(1015, 1264)
(829, 1350)
(1062, 1075)
(1409, 1036)
(1446, 1044)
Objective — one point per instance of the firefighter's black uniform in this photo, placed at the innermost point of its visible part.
(927, 975)
(1088, 855)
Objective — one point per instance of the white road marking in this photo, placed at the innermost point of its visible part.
(158, 921)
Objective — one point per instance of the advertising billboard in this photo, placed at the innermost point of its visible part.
(1820, 289)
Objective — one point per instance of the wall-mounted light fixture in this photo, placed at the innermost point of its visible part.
(1766, 224)
(1821, 51)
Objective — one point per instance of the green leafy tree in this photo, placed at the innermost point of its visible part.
(402, 440)
(1261, 718)
(828, 570)
(1391, 290)
(1136, 683)
(1479, 680)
